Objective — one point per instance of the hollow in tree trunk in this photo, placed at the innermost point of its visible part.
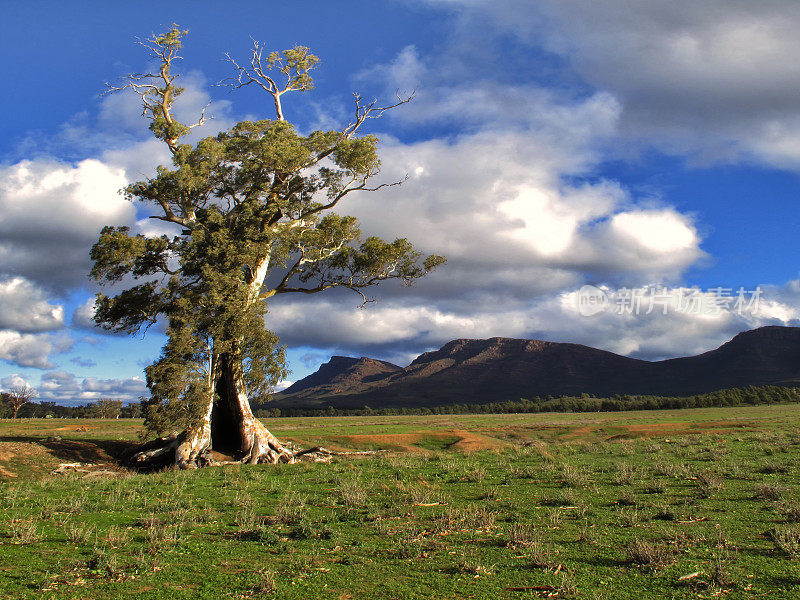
(227, 426)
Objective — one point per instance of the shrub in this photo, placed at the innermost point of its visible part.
(562, 498)
(665, 512)
(470, 564)
(790, 510)
(352, 492)
(291, 509)
(521, 534)
(539, 555)
(79, 533)
(708, 484)
(625, 475)
(23, 531)
(773, 467)
(787, 540)
(769, 492)
(573, 476)
(647, 554)
(628, 518)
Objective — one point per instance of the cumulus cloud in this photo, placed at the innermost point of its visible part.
(65, 388)
(709, 78)
(15, 380)
(500, 206)
(24, 307)
(83, 316)
(283, 385)
(662, 323)
(32, 327)
(28, 350)
(52, 214)
(513, 204)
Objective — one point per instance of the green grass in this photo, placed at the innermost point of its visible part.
(610, 506)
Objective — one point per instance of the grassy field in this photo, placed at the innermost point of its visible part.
(662, 504)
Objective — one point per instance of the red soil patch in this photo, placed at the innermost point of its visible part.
(635, 430)
(404, 442)
(75, 428)
(75, 451)
(12, 452)
(465, 441)
(472, 442)
(26, 458)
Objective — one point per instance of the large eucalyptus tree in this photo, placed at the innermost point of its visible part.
(252, 205)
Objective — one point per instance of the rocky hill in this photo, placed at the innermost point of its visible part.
(498, 369)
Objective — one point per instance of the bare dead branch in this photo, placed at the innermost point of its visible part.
(363, 112)
(359, 188)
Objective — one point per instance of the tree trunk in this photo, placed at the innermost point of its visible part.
(233, 425)
(228, 426)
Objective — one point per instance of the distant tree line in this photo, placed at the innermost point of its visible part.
(102, 409)
(748, 396)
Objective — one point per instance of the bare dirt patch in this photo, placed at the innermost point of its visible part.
(79, 451)
(75, 428)
(16, 456)
(36, 458)
(472, 442)
(403, 442)
(609, 431)
(424, 442)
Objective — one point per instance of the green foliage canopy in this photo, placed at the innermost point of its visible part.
(250, 204)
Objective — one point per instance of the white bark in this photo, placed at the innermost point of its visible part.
(193, 451)
(259, 274)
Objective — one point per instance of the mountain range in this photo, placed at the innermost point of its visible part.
(477, 371)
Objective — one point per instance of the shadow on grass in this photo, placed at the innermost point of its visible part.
(784, 581)
(605, 561)
(80, 450)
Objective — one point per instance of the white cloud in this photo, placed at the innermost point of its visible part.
(83, 316)
(15, 380)
(406, 72)
(714, 79)
(283, 385)
(681, 322)
(657, 231)
(28, 350)
(65, 388)
(51, 215)
(498, 207)
(24, 307)
(514, 206)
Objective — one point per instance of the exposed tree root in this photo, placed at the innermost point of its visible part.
(166, 452)
(227, 426)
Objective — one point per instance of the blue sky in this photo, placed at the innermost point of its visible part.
(551, 145)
